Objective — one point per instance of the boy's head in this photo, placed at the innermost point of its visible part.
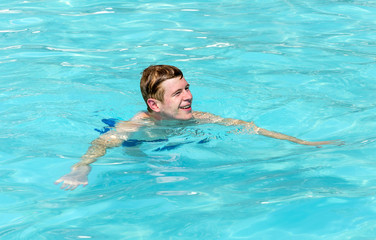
(152, 79)
(166, 93)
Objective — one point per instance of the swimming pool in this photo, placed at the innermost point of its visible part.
(302, 68)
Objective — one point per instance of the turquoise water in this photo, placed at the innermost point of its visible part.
(302, 68)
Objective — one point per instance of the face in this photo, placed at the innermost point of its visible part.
(177, 100)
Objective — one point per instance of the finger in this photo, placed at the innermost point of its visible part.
(64, 185)
(340, 142)
(72, 185)
(68, 188)
(58, 181)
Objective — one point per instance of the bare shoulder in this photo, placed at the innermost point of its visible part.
(134, 123)
(207, 117)
(141, 116)
(200, 115)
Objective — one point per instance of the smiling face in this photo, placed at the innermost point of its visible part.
(177, 100)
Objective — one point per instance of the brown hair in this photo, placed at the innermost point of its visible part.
(153, 77)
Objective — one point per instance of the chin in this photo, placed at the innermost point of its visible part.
(185, 117)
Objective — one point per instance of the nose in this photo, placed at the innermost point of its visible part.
(187, 95)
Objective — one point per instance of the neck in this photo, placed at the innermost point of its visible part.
(156, 116)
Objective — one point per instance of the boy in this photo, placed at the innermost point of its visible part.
(168, 98)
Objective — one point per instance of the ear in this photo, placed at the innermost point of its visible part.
(153, 104)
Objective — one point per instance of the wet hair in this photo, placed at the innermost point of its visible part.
(153, 77)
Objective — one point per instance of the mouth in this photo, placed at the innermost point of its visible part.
(187, 107)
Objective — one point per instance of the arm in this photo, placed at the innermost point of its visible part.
(80, 170)
(250, 127)
(281, 136)
(98, 148)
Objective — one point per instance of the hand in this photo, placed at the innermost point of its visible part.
(333, 142)
(77, 177)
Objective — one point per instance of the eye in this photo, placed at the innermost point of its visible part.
(177, 93)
